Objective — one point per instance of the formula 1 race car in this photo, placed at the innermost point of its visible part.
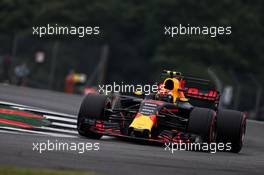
(180, 111)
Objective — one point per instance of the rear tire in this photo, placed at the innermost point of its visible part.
(93, 108)
(231, 128)
(202, 123)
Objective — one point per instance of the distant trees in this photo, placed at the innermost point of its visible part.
(134, 31)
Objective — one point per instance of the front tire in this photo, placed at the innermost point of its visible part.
(202, 123)
(92, 109)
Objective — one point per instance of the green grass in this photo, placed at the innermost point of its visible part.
(20, 118)
(27, 120)
(27, 171)
(7, 125)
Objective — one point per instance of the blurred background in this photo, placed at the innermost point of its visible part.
(132, 47)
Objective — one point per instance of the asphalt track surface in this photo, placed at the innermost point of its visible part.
(116, 156)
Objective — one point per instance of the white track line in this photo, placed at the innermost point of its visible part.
(60, 118)
(10, 132)
(58, 130)
(45, 111)
(18, 132)
(11, 104)
(37, 132)
(64, 125)
(36, 109)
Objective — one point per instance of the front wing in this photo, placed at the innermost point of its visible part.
(165, 136)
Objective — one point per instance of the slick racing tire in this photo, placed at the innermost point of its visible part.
(92, 108)
(202, 122)
(231, 128)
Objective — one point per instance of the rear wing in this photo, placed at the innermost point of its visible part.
(211, 95)
(197, 90)
(179, 76)
(203, 98)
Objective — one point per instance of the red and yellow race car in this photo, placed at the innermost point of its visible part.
(181, 111)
